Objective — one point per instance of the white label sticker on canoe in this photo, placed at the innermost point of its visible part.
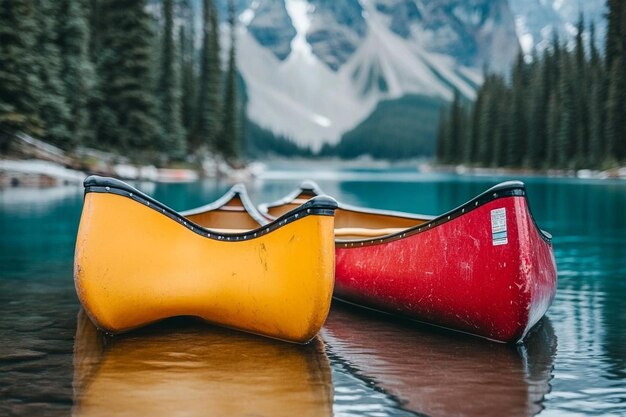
(498, 227)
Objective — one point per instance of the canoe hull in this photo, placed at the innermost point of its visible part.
(463, 274)
(134, 265)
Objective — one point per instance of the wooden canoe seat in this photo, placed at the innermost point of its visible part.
(363, 232)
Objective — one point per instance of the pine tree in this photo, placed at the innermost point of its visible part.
(242, 99)
(615, 138)
(620, 145)
(228, 141)
(465, 135)
(209, 99)
(615, 43)
(454, 142)
(597, 98)
(581, 92)
(19, 85)
(53, 107)
(468, 149)
(553, 129)
(78, 72)
(553, 118)
(615, 123)
(127, 116)
(538, 111)
(96, 28)
(442, 135)
(502, 123)
(188, 71)
(556, 60)
(515, 140)
(169, 88)
(486, 122)
(470, 154)
(567, 128)
(215, 79)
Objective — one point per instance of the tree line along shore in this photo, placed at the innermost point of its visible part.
(565, 108)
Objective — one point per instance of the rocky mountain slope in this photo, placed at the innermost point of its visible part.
(316, 69)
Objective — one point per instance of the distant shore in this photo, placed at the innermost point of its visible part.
(614, 173)
(38, 164)
(32, 162)
(42, 173)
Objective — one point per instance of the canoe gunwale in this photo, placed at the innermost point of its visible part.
(321, 205)
(482, 199)
(311, 188)
(502, 190)
(237, 191)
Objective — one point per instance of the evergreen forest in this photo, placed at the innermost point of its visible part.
(129, 76)
(565, 108)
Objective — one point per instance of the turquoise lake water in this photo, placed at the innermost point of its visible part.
(53, 362)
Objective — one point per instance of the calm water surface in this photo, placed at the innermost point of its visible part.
(54, 362)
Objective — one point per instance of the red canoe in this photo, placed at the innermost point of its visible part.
(484, 268)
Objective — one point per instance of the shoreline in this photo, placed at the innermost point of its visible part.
(33, 162)
(41, 173)
(614, 173)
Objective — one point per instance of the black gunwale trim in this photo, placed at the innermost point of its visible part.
(502, 190)
(321, 205)
(237, 191)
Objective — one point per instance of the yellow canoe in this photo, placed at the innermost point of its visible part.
(138, 261)
(182, 368)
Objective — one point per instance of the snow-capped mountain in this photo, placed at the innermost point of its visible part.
(536, 20)
(315, 69)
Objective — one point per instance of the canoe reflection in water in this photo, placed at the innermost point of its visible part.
(439, 373)
(180, 367)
